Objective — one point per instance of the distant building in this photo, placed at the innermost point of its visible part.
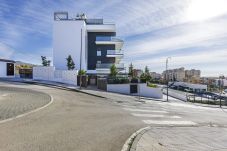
(174, 75)
(221, 82)
(208, 80)
(137, 72)
(182, 75)
(156, 76)
(192, 76)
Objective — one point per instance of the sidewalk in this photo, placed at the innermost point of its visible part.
(181, 138)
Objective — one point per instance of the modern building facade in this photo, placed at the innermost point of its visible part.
(92, 44)
(7, 68)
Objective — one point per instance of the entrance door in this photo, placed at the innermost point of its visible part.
(133, 88)
(10, 69)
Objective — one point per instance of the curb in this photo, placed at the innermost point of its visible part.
(60, 86)
(30, 112)
(131, 142)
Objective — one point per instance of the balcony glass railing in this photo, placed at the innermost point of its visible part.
(108, 65)
(114, 52)
(108, 38)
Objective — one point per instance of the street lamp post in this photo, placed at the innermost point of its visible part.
(221, 83)
(167, 78)
(80, 59)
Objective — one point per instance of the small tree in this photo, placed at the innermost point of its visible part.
(146, 75)
(70, 63)
(146, 70)
(113, 71)
(45, 62)
(130, 70)
(82, 72)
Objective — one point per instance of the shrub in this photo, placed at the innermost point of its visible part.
(117, 80)
(152, 85)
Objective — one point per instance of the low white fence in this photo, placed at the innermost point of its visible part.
(143, 90)
(50, 74)
(119, 88)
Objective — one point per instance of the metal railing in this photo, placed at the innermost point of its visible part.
(114, 52)
(108, 65)
(108, 38)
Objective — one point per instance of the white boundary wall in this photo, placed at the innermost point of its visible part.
(50, 74)
(146, 91)
(143, 89)
(119, 88)
(3, 73)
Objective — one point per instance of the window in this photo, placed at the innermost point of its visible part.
(99, 62)
(99, 53)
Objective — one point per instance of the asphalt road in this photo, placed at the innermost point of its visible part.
(77, 121)
(74, 121)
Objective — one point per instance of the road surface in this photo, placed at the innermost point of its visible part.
(77, 121)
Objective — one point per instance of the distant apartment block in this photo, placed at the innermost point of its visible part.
(137, 72)
(182, 75)
(174, 74)
(155, 75)
(92, 43)
(192, 76)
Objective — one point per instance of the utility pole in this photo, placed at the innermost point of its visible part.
(167, 78)
(221, 84)
(80, 58)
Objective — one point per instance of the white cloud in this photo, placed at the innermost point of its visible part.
(207, 62)
(6, 51)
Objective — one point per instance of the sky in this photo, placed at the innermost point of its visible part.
(192, 32)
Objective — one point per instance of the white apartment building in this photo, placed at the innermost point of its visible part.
(174, 74)
(92, 44)
(155, 75)
(182, 75)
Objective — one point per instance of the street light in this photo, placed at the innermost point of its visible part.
(167, 78)
(80, 58)
(221, 84)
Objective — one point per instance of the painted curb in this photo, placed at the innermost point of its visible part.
(131, 141)
(30, 112)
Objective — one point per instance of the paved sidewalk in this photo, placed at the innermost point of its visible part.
(183, 138)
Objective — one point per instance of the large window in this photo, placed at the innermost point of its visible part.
(99, 53)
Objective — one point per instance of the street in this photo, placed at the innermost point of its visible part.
(77, 121)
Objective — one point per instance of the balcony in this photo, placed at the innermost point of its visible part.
(108, 65)
(107, 40)
(115, 53)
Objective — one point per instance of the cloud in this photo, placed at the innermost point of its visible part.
(212, 61)
(152, 30)
(6, 51)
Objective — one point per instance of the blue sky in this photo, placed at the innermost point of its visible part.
(192, 32)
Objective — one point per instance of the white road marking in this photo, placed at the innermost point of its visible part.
(140, 110)
(30, 112)
(154, 115)
(169, 122)
(141, 107)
